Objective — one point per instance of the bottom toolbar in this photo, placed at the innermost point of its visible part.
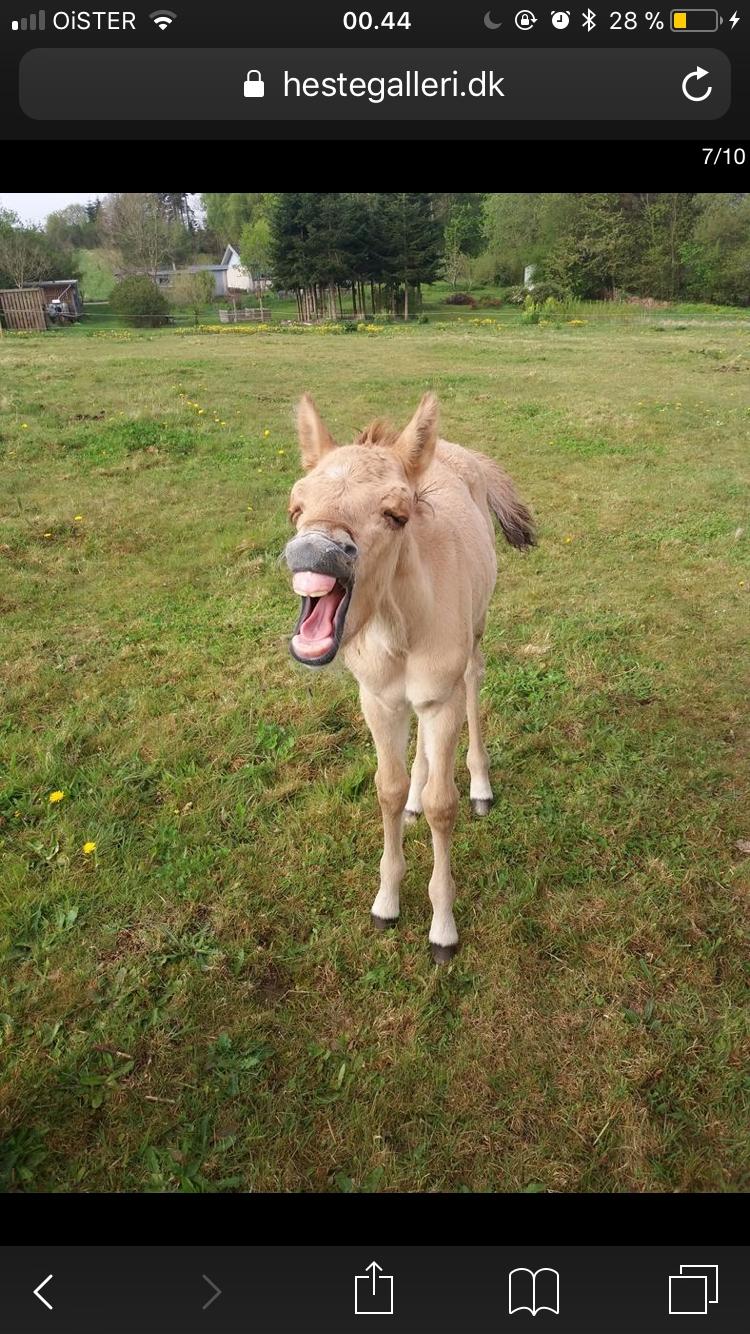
(443, 1290)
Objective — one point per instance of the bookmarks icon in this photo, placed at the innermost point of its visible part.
(533, 1291)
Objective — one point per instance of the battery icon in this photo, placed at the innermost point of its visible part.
(695, 20)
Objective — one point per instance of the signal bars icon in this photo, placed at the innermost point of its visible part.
(32, 23)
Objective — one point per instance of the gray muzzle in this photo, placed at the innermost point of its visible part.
(319, 553)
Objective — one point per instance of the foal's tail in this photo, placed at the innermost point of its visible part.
(511, 513)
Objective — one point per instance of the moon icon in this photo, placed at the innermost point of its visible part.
(488, 21)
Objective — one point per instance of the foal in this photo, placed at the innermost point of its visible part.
(394, 559)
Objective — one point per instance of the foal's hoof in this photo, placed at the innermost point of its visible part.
(480, 805)
(383, 923)
(411, 817)
(442, 953)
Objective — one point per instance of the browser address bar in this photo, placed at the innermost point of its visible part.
(279, 83)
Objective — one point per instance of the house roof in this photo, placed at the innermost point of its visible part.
(194, 268)
(229, 257)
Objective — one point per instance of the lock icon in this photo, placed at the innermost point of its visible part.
(254, 85)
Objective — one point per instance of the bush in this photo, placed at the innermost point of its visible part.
(139, 300)
(460, 299)
(543, 290)
(490, 301)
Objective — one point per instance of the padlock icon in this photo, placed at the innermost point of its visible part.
(254, 85)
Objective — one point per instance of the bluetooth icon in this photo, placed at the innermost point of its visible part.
(589, 20)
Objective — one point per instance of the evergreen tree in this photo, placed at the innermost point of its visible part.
(415, 243)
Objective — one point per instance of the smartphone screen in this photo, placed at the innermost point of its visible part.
(374, 599)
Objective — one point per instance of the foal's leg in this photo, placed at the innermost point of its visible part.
(442, 725)
(390, 732)
(477, 759)
(418, 780)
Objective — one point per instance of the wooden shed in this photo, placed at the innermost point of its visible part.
(53, 301)
(64, 290)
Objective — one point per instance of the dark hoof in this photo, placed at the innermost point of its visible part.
(383, 923)
(442, 953)
(411, 817)
(481, 805)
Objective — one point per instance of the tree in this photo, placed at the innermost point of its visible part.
(192, 291)
(27, 256)
(465, 213)
(255, 247)
(138, 226)
(20, 250)
(176, 208)
(71, 229)
(415, 243)
(716, 259)
(228, 214)
(455, 260)
(139, 300)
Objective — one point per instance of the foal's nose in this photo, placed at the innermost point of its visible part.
(317, 552)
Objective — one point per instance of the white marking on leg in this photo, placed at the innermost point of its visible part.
(442, 725)
(477, 759)
(390, 732)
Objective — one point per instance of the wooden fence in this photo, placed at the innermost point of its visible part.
(244, 316)
(23, 308)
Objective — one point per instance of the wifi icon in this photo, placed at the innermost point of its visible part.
(163, 17)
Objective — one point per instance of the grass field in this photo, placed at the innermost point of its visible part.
(199, 1003)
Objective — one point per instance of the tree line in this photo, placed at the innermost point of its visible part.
(374, 252)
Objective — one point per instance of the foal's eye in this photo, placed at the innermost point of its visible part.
(395, 520)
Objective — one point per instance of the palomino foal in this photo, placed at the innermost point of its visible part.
(394, 559)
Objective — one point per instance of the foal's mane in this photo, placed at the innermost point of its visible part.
(379, 432)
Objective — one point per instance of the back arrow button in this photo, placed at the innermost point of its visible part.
(38, 1292)
(217, 1291)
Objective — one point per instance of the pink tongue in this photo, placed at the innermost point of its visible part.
(309, 584)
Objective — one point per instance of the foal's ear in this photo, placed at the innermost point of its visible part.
(416, 444)
(315, 439)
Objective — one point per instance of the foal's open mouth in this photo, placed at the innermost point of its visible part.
(325, 602)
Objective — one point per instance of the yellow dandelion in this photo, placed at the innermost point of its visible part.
(569, 539)
(201, 412)
(88, 848)
(266, 433)
(47, 534)
(77, 518)
(742, 583)
(24, 426)
(56, 796)
(280, 451)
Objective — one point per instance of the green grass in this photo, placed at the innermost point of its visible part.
(200, 1004)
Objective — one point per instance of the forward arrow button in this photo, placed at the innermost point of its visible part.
(216, 1293)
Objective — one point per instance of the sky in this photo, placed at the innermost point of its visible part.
(35, 208)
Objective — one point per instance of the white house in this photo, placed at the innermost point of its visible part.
(229, 276)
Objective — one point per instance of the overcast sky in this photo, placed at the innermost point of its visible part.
(35, 208)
